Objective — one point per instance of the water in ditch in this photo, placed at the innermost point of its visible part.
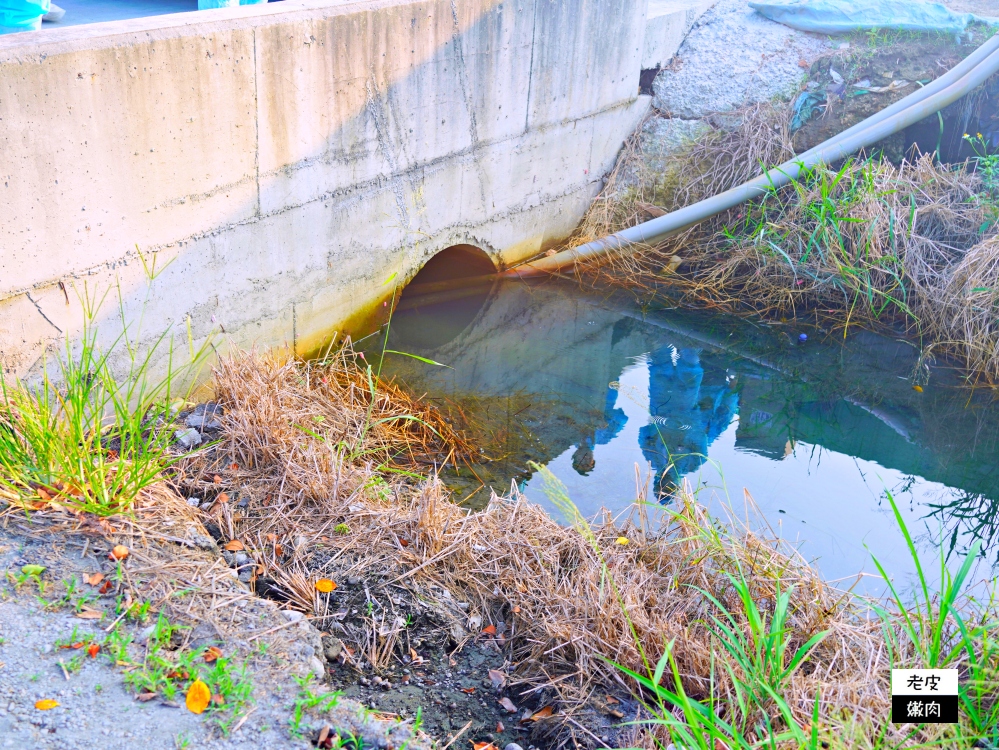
(815, 432)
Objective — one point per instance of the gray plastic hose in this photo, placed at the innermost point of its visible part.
(961, 80)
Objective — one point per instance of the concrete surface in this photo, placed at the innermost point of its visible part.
(288, 165)
(668, 23)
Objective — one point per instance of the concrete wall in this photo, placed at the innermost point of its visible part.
(667, 26)
(286, 166)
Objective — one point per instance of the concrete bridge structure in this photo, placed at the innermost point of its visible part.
(273, 173)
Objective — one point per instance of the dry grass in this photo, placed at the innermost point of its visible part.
(569, 597)
(868, 243)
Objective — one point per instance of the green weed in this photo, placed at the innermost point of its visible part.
(83, 437)
(308, 700)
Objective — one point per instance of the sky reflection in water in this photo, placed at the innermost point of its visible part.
(815, 433)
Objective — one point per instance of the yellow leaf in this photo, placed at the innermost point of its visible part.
(120, 552)
(623, 541)
(45, 704)
(325, 585)
(917, 388)
(198, 697)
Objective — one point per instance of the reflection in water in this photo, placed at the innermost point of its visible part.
(591, 386)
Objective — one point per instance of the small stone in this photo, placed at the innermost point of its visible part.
(245, 574)
(145, 634)
(292, 615)
(353, 580)
(241, 558)
(194, 502)
(332, 649)
(188, 438)
(316, 667)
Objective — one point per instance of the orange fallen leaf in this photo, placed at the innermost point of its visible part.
(212, 653)
(483, 746)
(234, 467)
(198, 697)
(105, 587)
(468, 691)
(508, 705)
(272, 537)
(489, 630)
(45, 497)
(45, 704)
(612, 700)
(145, 697)
(278, 550)
(89, 614)
(218, 700)
(500, 727)
(118, 552)
(403, 542)
(78, 644)
(93, 650)
(325, 585)
(235, 546)
(217, 479)
(94, 578)
(541, 713)
(516, 609)
(223, 497)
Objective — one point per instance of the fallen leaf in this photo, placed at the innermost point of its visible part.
(272, 537)
(234, 467)
(235, 546)
(497, 678)
(145, 697)
(324, 734)
(44, 496)
(541, 713)
(483, 746)
(217, 479)
(615, 713)
(198, 697)
(32, 570)
(78, 644)
(212, 653)
(611, 700)
(223, 497)
(468, 691)
(89, 614)
(623, 541)
(178, 674)
(403, 542)
(325, 585)
(489, 630)
(45, 704)
(94, 578)
(218, 700)
(118, 552)
(516, 609)
(500, 727)
(917, 388)
(508, 705)
(278, 550)
(105, 587)
(93, 650)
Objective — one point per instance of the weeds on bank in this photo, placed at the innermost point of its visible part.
(84, 438)
(749, 692)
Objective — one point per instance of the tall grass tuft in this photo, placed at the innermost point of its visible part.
(83, 438)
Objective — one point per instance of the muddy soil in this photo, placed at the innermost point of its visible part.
(872, 73)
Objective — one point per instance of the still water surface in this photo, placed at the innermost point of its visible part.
(815, 432)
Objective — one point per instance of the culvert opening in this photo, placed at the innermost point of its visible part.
(445, 297)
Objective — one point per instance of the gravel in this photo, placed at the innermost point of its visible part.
(731, 57)
(97, 710)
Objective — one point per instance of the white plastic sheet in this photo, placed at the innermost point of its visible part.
(841, 16)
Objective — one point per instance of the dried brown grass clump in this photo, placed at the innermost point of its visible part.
(569, 597)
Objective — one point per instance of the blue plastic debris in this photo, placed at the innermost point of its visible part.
(22, 15)
(843, 16)
(802, 337)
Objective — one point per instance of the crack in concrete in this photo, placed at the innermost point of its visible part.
(42, 312)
